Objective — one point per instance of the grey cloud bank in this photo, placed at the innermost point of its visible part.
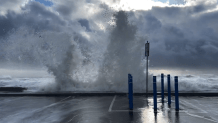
(181, 37)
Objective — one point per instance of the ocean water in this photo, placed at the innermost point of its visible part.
(187, 83)
(32, 84)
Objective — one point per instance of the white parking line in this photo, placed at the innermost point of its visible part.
(200, 117)
(112, 103)
(195, 106)
(81, 114)
(194, 115)
(53, 104)
(36, 110)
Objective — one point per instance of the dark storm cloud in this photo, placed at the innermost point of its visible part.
(152, 23)
(66, 8)
(85, 23)
(35, 16)
(181, 37)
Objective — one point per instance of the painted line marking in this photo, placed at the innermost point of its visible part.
(81, 114)
(195, 106)
(39, 108)
(200, 117)
(193, 115)
(186, 110)
(206, 108)
(112, 103)
(54, 103)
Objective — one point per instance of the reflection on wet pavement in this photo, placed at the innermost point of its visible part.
(105, 109)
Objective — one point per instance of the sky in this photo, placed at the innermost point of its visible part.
(38, 34)
(49, 3)
(46, 3)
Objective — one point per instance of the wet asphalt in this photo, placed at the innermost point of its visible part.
(106, 109)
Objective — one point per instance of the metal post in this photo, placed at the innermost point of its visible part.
(162, 87)
(155, 93)
(146, 55)
(169, 90)
(176, 94)
(147, 78)
(130, 92)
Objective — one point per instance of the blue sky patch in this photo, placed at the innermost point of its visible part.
(45, 2)
(173, 1)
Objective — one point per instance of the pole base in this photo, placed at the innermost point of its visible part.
(155, 110)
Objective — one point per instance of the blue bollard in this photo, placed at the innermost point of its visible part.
(176, 94)
(155, 93)
(169, 90)
(162, 87)
(130, 91)
(131, 97)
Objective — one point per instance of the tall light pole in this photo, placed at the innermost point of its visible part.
(146, 55)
